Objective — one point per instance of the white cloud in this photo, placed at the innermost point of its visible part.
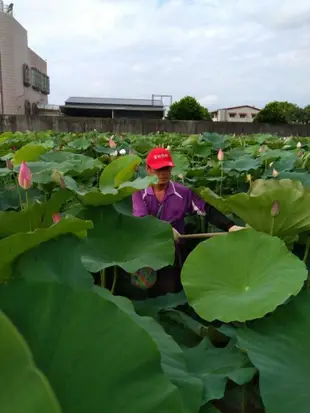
(222, 52)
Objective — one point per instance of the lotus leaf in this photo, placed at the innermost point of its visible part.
(214, 366)
(77, 339)
(129, 242)
(15, 245)
(279, 348)
(241, 276)
(23, 388)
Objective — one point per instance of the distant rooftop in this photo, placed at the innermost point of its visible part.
(114, 102)
(237, 107)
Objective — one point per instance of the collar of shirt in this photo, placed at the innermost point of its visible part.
(171, 190)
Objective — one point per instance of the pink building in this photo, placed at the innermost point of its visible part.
(23, 74)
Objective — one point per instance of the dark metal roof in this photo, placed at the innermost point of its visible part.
(114, 102)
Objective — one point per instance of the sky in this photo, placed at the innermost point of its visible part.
(222, 52)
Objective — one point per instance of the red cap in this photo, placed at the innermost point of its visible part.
(159, 158)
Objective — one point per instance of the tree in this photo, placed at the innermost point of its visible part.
(188, 108)
(307, 114)
(281, 112)
(272, 113)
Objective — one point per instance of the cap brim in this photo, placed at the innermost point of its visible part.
(160, 165)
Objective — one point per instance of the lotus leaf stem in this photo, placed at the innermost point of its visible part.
(28, 205)
(102, 279)
(114, 280)
(244, 399)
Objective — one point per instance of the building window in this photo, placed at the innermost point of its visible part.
(26, 75)
(253, 115)
(232, 115)
(243, 115)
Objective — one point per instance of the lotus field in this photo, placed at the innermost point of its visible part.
(74, 345)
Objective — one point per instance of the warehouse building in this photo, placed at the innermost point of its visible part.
(114, 108)
(23, 74)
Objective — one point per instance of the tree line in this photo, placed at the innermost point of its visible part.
(188, 108)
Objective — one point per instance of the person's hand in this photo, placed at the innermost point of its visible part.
(176, 235)
(235, 228)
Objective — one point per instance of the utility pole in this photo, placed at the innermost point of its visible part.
(1, 96)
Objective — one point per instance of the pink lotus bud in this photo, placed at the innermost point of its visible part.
(275, 173)
(112, 144)
(260, 150)
(275, 209)
(24, 176)
(220, 155)
(299, 145)
(13, 148)
(9, 164)
(56, 218)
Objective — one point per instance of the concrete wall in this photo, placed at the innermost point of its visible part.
(140, 126)
(14, 53)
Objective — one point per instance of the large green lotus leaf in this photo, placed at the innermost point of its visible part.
(255, 208)
(213, 199)
(65, 162)
(202, 149)
(14, 245)
(118, 172)
(217, 141)
(39, 215)
(244, 163)
(271, 155)
(241, 276)
(181, 164)
(214, 366)
(126, 241)
(63, 265)
(29, 153)
(95, 197)
(80, 144)
(279, 347)
(23, 388)
(303, 177)
(94, 355)
(173, 360)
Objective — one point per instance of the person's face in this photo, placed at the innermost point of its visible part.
(163, 174)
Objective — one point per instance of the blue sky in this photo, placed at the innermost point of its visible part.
(223, 52)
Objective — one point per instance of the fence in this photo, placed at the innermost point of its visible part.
(143, 126)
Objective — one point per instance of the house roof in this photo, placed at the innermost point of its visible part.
(114, 102)
(237, 107)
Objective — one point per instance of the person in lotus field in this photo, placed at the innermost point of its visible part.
(171, 201)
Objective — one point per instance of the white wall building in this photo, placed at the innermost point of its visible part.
(235, 114)
(23, 74)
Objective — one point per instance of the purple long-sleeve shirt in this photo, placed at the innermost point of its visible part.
(178, 201)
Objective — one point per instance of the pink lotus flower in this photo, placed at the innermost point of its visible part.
(24, 176)
(112, 144)
(56, 218)
(220, 155)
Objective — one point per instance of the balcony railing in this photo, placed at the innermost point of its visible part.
(8, 9)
